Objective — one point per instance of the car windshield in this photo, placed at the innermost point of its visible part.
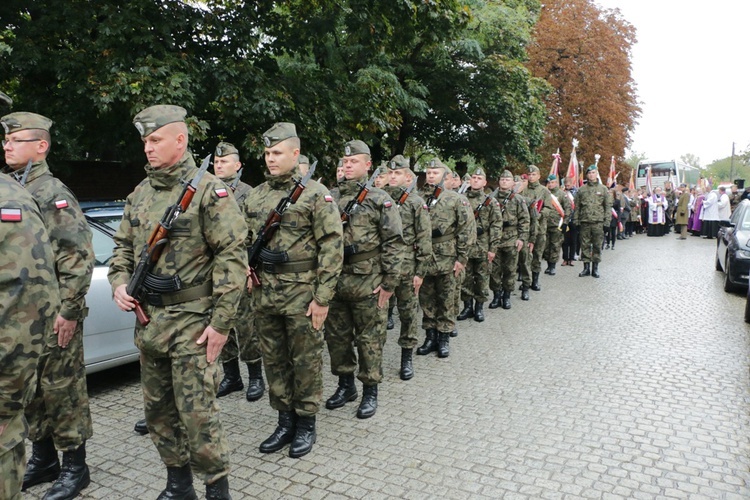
(745, 226)
(103, 244)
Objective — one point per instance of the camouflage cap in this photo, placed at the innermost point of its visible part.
(551, 177)
(398, 162)
(23, 120)
(517, 178)
(153, 118)
(280, 131)
(436, 163)
(356, 147)
(382, 169)
(226, 149)
(591, 167)
(533, 169)
(304, 160)
(466, 177)
(6, 99)
(479, 171)
(506, 175)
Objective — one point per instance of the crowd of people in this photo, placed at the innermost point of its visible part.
(271, 276)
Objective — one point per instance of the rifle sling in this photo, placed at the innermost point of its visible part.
(180, 296)
(289, 267)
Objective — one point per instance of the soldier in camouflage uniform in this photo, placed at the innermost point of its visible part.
(533, 193)
(452, 232)
(58, 416)
(457, 185)
(593, 212)
(515, 216)
(489, 222)
(29, 307)
(417, 252)
(301, 264)
(372, 269)
(303, 165)
(555, 227)
(190, 321)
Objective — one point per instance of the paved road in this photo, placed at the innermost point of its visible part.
(631, 386)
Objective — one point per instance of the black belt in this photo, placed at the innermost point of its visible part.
(443, 238)
(289, 267)
(508, 224)
(180, 296)
(359, 257)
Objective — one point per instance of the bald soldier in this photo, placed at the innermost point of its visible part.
(59, 417)
(417, 251)
(372, 266)
(192, 295)
(29, 302)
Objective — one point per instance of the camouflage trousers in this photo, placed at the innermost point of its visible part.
(12, 468)
(531, 262)
(354, 317)
(477, 282)
(592, 235)
(293, 360)
(437, 298)
(555, 239)
(179, 396)
(459, 286)
(243, 340)
(504, 269)
(408, 309)
(60, 407)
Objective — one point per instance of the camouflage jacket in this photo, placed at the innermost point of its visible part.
(554, 220)
(417, 233)
(515, 218)
(206, 243)
(241, 193)
(29, 302)
(489, 224)
(70, 236)
(375, 224)
(533, 193)
(593, 204)
(310, 230)
(449, 216)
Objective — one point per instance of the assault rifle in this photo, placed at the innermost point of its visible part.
(464, 187)
(25, 174)
(510, 196)
(158, 240)
(236, 181)
(359, 199)
(272, 224)
(485, 203)
(433, 198)
(405, 192)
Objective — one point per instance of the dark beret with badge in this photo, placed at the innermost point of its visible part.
(23, 120)
(398, 162)
(226, 149)
(153, 118)
(591, 168)
(479, 171)
(356, 147)
(551, 177)
(280, 131)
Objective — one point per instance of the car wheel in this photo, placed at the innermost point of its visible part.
(718, 262)
(729, 287)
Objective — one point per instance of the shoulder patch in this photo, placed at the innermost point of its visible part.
(464, 203)
(221, 192)
(388, 204)
(60, 204)
(328, 198)
(424, 206)
(10, 215)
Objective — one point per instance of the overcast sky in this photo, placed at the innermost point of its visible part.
(691, 65)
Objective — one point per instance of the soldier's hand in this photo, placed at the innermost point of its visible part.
(249, 284)
(319, 314)
(490, 256)
(384, 296)
(215, 343)
(124, 301)
(457, 268)
(417, 281)
(519, 245)
(64, 328)
(531, 247)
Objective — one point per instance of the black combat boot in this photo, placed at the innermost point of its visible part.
(391, 325)
(586, 270)
(479, 312)
(454, 332)
(595, 269)
(255, 385)
(140, 427)
(551, 268)
(43, 466)
(74, 476)
(304, 438)
(495, 299)
(218, 490)
(430, 342)
(525, 293)
(232, 382)
(535, 282)
(407, 369)
(443, 345)
(506, 299)
(369, 403)
(468, 310)
(345, 392)
(283, 434)
(179, 484)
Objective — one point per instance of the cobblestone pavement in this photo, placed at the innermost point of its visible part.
(634, 385)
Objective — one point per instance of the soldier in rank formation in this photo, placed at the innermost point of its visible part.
(325, 276)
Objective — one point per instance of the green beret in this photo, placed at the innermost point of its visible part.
(304, 160)
(533, 169)
(226, 149)
(280, 131)
(480, 171)
(23, 120)
(551, 177)
(592, 167)
(153, 118)
(398, 162)
(506, 174)
(356, 147)
(6, 99)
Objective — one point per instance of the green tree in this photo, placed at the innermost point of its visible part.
(691, 160)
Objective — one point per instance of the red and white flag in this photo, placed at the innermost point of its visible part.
(573, 165)
(555, 170)
(612, 176)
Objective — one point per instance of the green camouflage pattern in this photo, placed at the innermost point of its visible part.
(555, 235)
(489, 223)
(354, 316)
(61, 404)
(593, 211)
(292, 349)
(461, 278)
(532, 262)
(29, 303)
(515, 227)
